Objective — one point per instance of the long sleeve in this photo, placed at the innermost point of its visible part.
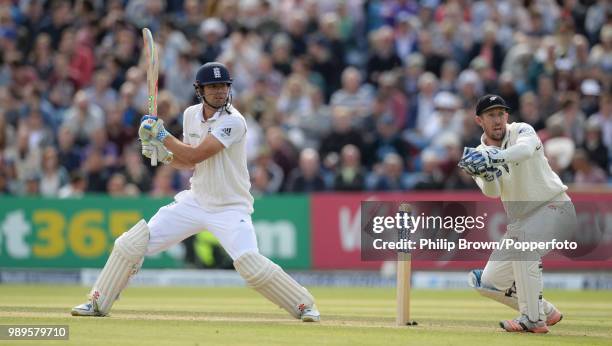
(526, 145)
(490, 189)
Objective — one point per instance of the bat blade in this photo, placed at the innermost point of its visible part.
(152, 57)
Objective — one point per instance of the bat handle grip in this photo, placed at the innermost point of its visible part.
(154, 158)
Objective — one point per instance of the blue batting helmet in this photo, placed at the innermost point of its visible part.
(212, 72)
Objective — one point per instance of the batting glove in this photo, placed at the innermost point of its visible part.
(163, 154)
(152, 128)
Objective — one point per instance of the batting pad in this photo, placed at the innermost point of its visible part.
(528, 281)
(272, 282)
(124, 261)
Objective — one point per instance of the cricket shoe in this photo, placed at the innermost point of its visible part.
(474, 278)
(309, 314)
(85, 309)
(553, 317)
(523, 324)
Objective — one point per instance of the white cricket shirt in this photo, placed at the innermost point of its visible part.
(529, 181)
(220, 182)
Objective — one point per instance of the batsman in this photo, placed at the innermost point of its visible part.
(510, 164)
(214, 144)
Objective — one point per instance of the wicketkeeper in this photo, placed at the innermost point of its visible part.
(510, 164)
(214, 144)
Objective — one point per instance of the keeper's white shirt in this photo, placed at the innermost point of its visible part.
(220, 182)
(530, 182)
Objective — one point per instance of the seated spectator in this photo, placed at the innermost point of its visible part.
(342, 133)
(350, 175)
(163, 182)
(134, 169)
(354, 95)
(119, 134)
(432, 177)
(40, 134)
(529, 111)
(383, 56)
(53, 176)
(282, 152)
(169, 112)
(69, 156)
(118, 186)
(386, 141)
(83, 118)
(586, 172)
(389, 176)
(571, 117)
(294, 101)
(316, 125)
(589, 100)
(445, 118)
(260, 182)
(25, 158)
(75, 188)
(259, 103)
(307, 176)
(31, 184)
(274, 175)
(593, 145)
(99, 142)
(604, 118)
(100, 93)
(395, 101)
(96, 172)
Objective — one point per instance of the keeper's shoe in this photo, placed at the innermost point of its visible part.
(553, 317)
(310, 314)
(85, 309)
(523, 325)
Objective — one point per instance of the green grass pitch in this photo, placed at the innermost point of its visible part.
(350, 316)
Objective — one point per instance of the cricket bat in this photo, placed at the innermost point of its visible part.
(152, 75)
(403, 276)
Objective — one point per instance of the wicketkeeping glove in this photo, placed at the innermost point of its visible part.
(475, 163)
(493, 156)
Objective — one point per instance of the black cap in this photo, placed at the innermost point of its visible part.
(488, 102)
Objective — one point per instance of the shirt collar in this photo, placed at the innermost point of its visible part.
(214, 117)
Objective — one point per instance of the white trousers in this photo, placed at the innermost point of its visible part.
(185, 217)
(554, 220)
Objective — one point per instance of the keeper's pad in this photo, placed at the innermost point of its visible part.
(124, 261)
(272, 282)
(507, 297)
(528, 281)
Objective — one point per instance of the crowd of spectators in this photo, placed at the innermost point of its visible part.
(339, 95)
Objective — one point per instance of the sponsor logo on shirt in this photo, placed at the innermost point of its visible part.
(226, 131)
(194, 135)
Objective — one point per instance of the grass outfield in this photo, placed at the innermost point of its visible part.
(350, 316)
